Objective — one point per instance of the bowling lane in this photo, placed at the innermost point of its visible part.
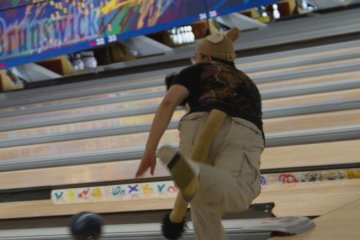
(115, 96)
(310, 67)
(99, 144)
(110, 95)
(90, 145)
(310, 198)
(101, 111)
(110, 82)
(135, 140)
(306, 155)
(79, 89)
(69, 114)
(85, 126)
(294, 58)
(301, 82)
(312, 98)
(159, 78)
(345, 117)
(309, 121)
(340, 223)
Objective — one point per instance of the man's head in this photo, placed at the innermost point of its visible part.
(217, 46)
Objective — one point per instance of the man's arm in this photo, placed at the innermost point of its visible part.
(175, 95)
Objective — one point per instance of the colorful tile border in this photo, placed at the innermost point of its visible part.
(167, 189)
(120, 192)
(310, 176)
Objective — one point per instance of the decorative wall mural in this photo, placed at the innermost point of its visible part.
(31, 31)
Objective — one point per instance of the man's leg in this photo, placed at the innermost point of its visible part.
(216, 192)
(207, 223)
(231, 182)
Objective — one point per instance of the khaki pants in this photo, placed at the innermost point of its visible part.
(230, 179)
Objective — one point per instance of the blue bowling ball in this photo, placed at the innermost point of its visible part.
(86, 226)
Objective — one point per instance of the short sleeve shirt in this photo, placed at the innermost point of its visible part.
(221, 86)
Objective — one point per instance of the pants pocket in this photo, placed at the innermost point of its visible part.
(250, 173)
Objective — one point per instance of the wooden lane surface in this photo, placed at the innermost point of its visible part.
(84, 126)
(137, 119)
(108, 95)
(125, 140)
(310, 198)
(251, 74)
(241, 63)
(244, 62)
(303, 199)
(108, 108)
(307, 155)
(272, 158)
(270, 125)
(309, 121)
(301, 82)
(332, 119)
(340, 223)
(312, 98)
(309, 67)
(338, 77)
(97, 109)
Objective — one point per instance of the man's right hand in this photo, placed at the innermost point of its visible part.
(148, 161)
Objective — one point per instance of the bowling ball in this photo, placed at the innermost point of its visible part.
(86, 226)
